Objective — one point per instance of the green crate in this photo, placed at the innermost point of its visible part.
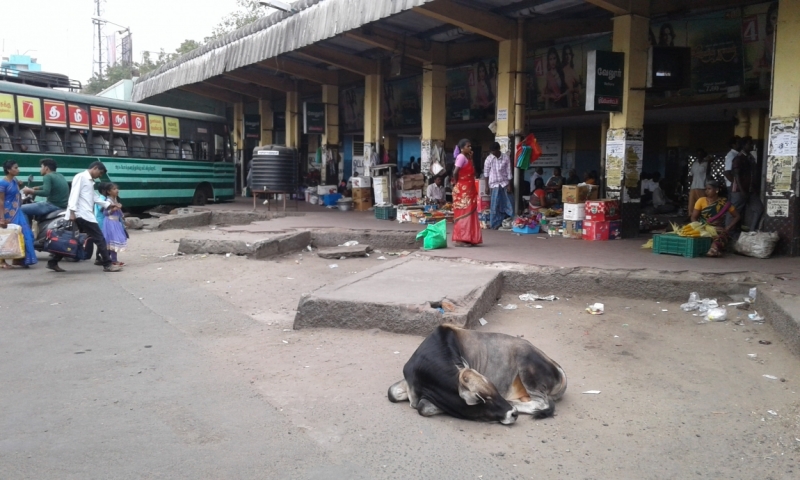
(385, 213)
(673, 244)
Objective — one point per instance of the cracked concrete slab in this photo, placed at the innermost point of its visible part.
(344, 252)
(401, 297)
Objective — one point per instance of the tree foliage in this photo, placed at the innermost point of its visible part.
(248, 11)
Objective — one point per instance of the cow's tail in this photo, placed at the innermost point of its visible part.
(561, 386)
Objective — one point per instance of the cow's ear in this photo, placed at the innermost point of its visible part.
(468, 387)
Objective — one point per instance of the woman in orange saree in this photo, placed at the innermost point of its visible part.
(467, 227)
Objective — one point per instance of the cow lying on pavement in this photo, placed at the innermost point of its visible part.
(488, 377)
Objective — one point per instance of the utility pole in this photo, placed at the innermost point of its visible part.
(99, 33)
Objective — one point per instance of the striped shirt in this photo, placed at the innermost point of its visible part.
(497, 170)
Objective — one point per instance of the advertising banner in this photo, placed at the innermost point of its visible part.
(139, 123)
(30, 110)
(78, 117)
(120, 121)
(402, 103)
(604, 81)
(472, 91)
(173, 127)
(101, 120)
(55, 114)
(557, 74)
(759, 24)
(252, 126)
(313, 118)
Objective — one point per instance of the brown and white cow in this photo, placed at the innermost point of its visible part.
(488, 377)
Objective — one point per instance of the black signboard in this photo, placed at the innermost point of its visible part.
(252, 126)
(604, 82)
(314, 118)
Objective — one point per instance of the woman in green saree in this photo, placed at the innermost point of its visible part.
(712, 210)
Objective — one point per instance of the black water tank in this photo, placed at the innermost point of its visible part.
(274, 167)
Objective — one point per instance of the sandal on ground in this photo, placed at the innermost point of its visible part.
(120, 264)
(56, 268)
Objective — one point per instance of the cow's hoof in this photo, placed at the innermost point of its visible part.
(427, 409)
(398, 392)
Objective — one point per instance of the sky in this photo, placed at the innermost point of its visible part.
(58, 33)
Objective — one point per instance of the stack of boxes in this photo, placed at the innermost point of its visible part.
(587, 217)
(362, 193)
(411, 188)
(574, 198)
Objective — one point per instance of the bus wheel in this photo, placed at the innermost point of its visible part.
(200, 197)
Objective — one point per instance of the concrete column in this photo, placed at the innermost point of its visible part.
(510, 116)
(373, 117)
(781, 192)
(267, 121)
(434, 117)
(330, 140)
(625, 138)
(238, 141)
(292, 120)
(742, 128)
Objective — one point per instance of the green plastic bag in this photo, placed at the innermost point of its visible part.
(435, 236)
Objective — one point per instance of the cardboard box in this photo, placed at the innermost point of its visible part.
(361, 182)
(574, 211)
(482, 188)
(362, 194)
(595, 231)
(615, 230)
(484, 202)
(410, 197)
(412, 182)
(381, 194)
(573, 229)
(326, 189)
(602, 210)
(579, 193)
(362, 205)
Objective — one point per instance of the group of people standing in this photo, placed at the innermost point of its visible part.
(82, 204)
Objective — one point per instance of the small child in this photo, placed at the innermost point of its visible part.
(113, 227)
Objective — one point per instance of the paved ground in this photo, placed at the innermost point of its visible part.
(226, 389)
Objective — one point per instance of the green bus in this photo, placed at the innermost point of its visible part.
(156, 155)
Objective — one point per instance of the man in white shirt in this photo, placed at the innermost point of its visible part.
(735, 150)
(435, 191)
(80, 209)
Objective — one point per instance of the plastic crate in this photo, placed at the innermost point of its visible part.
(526, 230)
(385, 212)
(673, 244)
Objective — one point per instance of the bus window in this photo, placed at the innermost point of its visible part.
(77, 144)
(53, 142)
(202, 153)
(156, 148)
(171, 150)
(186, 151)
(5, 140)
(99, 145)
(137, 148)
(118, 147)
(219, 148)
(28, 141)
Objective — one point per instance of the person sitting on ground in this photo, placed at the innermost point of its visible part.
(435, 192)
(712, 210)
(538, 198)
(590, 178)
(54, 187)
(556, 181)
(661, 204)
(572, 178)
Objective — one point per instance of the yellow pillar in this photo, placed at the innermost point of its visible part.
(742, 128)
(330, 140)
(510, 114)
(373, 118)
(625, 137)
(238, 141)
(780, 189)
(267, 119)
(434, 116)
(292, 120)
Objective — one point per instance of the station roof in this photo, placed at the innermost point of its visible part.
(339, 41)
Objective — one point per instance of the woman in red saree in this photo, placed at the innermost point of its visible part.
(467, 227)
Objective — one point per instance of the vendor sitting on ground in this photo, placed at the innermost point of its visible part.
(556, 181)
(661, 204)
(712, 210)
(573, 178)
(590, 178)
(435, 192)
(538, 198)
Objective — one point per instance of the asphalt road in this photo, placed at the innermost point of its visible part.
(122, 376)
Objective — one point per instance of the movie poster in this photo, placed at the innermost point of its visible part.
(759, 24)
(472, 91)
(402, 105)
(557, 74)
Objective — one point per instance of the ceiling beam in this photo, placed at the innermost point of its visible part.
(301, 70)
(541, 31)
(624, 7)
(462, 53)
(410, 47)
(239, 87)
(481, 22)
(337, 58)
(210, 92)
(263, 79)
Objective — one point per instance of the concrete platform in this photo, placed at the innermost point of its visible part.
(398, 296)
